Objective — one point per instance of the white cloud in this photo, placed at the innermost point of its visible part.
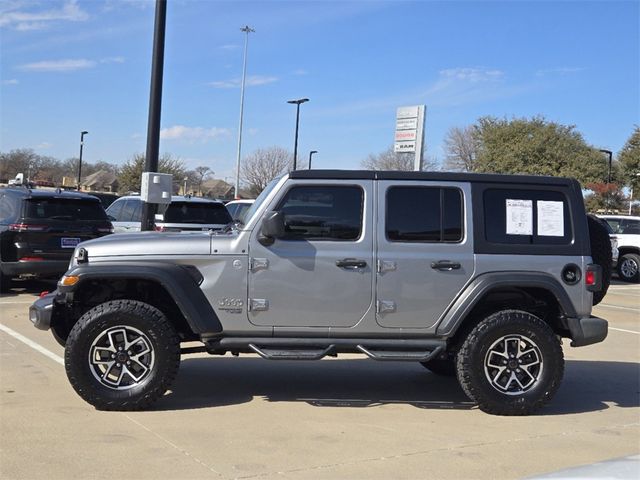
(43, 146)
(112, 60)
(193, 134)
(12, 81)
(562, 71)
(68, 65)
(300, 71)
(472, 74)
(251, 81)
(228, 47)
(21, 20)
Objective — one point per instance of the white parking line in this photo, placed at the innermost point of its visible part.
(17, 303)
(619, 307)
(623, 330)
(32, 344)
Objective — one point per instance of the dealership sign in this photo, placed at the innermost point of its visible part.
(409, 135)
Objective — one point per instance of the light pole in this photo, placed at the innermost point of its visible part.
(247, 30)
(311, 155)
(295, 145)
(610, 153)
(82, 134)
(184, 188)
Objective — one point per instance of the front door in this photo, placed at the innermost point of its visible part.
(425, 251)
(320, 274)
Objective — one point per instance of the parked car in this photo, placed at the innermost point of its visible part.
(627, 231)
(182, 214)
(237, 208)
(472, 275)
(39, 230)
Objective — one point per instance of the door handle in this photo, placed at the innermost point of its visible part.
(446, 265)
(351, 263)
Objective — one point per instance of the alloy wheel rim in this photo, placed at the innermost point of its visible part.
(629, 268)
(121, 357)
(513, 364)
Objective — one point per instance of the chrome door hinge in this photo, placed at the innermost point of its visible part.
(385, 306)
(257, 264)
(386, 266)
(258, 305)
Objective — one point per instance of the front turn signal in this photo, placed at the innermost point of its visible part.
(69, 281)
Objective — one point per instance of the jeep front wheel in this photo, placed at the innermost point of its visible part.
(122, 355)
(511, 363)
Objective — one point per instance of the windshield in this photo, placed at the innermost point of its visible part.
(264, 194)
(64, 209)
(197, 212)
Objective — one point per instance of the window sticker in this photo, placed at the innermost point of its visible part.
(519, 217)
(550, 218)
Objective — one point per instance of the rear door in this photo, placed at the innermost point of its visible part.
(425, 251)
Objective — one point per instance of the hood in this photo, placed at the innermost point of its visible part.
(149, 243)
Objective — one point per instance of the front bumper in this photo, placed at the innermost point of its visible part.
(587, 330)
(41, 311)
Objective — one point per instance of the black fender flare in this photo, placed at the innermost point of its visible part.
(473, 293)
(182, 282)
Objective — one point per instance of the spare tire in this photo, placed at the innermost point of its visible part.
(600, 253)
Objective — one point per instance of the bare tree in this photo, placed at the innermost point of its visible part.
(461, 145)
(263, 165)
(199, 175)
(390, 160)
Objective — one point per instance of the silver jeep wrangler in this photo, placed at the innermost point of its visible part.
(477, 276)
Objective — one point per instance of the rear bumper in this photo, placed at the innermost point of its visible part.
(41, 311)
(587, 330)
(40, 268)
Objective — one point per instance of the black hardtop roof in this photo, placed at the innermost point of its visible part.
(41, 193)
(434, 176)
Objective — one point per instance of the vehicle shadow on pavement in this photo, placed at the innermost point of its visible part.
(355, 383)
(590, 386)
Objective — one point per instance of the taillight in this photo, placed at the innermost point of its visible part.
(159, 228)
(593, 277)
(107, 228)
(26, 227)
(31, 259)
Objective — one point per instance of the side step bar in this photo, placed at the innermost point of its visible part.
(317, 348)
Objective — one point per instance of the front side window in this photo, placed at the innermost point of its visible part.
(129, 210)
(323, 213)
(424, 214)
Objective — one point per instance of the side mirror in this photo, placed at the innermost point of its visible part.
(272, 228)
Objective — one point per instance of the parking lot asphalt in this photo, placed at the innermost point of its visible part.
(337, 418)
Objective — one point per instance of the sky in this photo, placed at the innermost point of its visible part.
(73, 65)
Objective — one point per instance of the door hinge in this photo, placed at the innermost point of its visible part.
(386, 266)
(259, 264)
(385, 306)
(258, 305)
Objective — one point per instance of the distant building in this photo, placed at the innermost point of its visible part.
(101, 181)
(218, 189)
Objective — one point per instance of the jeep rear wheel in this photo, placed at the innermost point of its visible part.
(511, 363)
(122, 355)
(600, 254)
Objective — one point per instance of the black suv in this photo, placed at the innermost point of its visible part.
(39, 230)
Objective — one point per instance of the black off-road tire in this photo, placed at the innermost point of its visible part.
(600, 254)
(441, 366)
(629, 267)
(517, 329)
(104, 323)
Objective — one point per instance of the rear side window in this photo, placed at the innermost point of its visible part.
(527, 217)
(130, 211)
(7, 209)
(323, 213)
(205, 213)
(63, 209)
(424, 214)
